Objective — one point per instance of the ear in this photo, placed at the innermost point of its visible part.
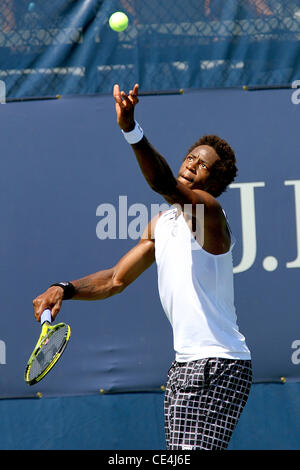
(214, 187)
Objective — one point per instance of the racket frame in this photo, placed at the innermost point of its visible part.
(47, 331)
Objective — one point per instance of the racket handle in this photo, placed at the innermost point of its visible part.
(46, 316)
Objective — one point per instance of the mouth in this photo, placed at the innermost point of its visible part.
(187, 178)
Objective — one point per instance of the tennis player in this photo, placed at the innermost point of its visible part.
(209, 381)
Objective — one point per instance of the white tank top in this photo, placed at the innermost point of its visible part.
(196, 292)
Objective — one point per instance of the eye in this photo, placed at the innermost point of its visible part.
(203, 165)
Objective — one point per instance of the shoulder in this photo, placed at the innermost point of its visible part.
(213, 210)
(149, 232)
(207, 199)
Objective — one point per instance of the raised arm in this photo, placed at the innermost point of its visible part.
(104, 283)
(193, 184)
(153, 165)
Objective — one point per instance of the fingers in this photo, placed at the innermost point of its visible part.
(126, 100)
(136, 89)
(55, 310)
(39, 306)
(117, 94)
(133, 95)
(51, 299)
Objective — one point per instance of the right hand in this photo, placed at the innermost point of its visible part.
(52, 298)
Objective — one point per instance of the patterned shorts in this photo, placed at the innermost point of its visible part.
(203, 402)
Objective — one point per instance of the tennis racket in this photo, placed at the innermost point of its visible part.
(49, 348)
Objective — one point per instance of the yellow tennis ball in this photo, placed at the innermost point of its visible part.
(118, 21)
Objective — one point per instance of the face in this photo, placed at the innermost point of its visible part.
(196, 167)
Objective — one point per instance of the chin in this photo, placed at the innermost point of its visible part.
(182, 180)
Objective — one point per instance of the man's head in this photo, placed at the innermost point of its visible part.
(209, 165)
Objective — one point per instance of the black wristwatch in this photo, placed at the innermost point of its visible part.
(69, 289)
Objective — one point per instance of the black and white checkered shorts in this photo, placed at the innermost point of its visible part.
(203, 402)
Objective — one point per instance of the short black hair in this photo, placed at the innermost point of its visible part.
(224, 170)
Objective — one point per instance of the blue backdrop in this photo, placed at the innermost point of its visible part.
(62, 160)
(66, 46)
(270, 421)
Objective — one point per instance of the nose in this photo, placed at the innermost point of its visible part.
(192, 165)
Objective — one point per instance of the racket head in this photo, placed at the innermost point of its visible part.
(49, 348)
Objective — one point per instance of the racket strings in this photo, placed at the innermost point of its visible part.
(49, 348)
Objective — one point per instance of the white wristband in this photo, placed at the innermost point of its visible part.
(135, 135)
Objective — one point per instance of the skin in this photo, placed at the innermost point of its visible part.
(190, 187)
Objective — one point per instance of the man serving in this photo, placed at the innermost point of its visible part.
(209, 381)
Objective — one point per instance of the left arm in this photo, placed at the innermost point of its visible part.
(160, 178)
(153, 165)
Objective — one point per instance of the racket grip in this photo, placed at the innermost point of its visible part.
(46, 316)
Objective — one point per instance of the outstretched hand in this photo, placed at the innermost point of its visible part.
(125, 104)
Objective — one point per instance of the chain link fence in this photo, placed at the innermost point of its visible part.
(66, 46)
